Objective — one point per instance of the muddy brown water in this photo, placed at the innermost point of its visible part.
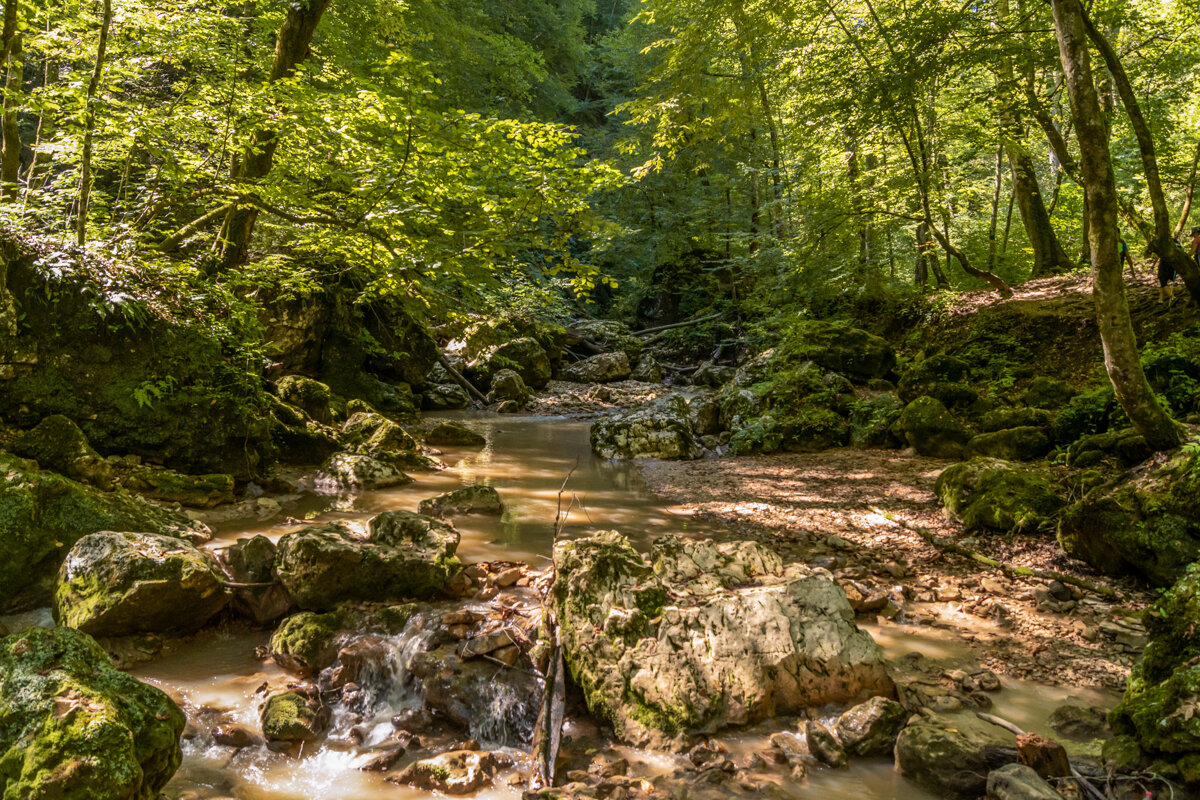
(526, 460)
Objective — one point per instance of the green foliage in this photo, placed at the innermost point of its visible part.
(1173, 369)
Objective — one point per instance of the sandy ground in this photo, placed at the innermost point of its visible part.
(840, 508)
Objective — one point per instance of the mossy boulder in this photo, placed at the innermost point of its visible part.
(42, 515)
(73, 727)
(306, 642)
(467, 500)
(951, 755)
(312, 396)
(404, 555)
(705, 636)
(1127, 447)
(987, 493)
(444, 397)
(774, 403)
(1144, 523)
(524, 355)
(453, 434)
(941, 376)
(294, 716)
(498, 329)
(251, 562)
(659, 429)
(57, 443)
(196, 491)
(871, 420)
(928, 427)
(841, 348)
(119, 584)
(353, 472)
(1011, 444)
(1048, 393)
(602, 368)
(1007, 417)
(370, 434)
(1159, 709)
(507, 385)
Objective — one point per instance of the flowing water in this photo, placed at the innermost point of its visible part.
(218, 679)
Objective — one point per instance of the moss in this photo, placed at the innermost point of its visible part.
(454, 434)
(930, 429)
(1095, 411)
(293, 717)
(73, 727)
(990, 494)
(841, 348)
(306, 642)
(1013, 444)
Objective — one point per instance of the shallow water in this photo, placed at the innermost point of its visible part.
(216, 675)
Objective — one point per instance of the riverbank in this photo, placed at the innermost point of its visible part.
(857, 510)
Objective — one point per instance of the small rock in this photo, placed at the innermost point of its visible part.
(234, 736)
(459, 772)
(823, 745)
(508, 577)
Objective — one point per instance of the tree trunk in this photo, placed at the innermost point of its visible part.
(1187, 196)
(291, 48)
(1112, 309)
(1161, 241)
(85, 163)
(992, 225)
(14, 75)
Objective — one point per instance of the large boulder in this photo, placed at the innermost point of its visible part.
(988, 493)
(705, 636)
(306, 643)
(940, 376)
(371, 434)
(444, 397)
(659, 429)
(353, 472)
(57, 443)
(1145, 522)
(294, 716)
(1025, 443)
(73, 727)
(311, 396)
(931, 430)
(42, 515)
(841, 348)
(1018, 782)
(452, 434)
(870, 728)
(119, 584)
(454, 773)
(251, 563)
(523, 355)
(952, 755)
(476, 499)
(610, 335)
(508, 385)
(602, 368)
(774, 403)
(1159, 710)
(403, 555)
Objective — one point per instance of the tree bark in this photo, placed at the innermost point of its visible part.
(14, 75)
(85, 164)
(1187, 196)
(1161, 241)
(1112, 308)
(291, 48)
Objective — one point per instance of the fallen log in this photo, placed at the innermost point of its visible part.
(458, 378)
(673, 325)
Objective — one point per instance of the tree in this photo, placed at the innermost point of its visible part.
(14, 72)
(89, 129)
(1112, 308)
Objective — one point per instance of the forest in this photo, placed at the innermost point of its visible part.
(599, 399)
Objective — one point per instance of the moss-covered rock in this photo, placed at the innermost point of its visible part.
(370, 434)
(941, 376)
(196, 491)
(73, 727)
(840, 348)
(601, 368)
(1006, 417)
(294, 716)
(312, 396)
(1011, 444)
(752, 639)
(659, 429)
(476, 499)
(306, 643)
(42, 515)
(498, 329)
(1048, 393)
(353, 472)
(952, 755)
(1159, 709)
(251, 563)
(930, 429)
(871, 420)
(507, 385)
(1144, 523)
(57, 443)
(118, 584)
(1127, 447)
(453, 434)
(444, 397)
(776, 404)
(404, 555)
(524, 355)
(986, 493)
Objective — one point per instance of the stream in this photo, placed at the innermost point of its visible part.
(217, 677)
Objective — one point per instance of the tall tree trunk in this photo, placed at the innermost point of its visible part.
(998, 181)
(1112, 309)
(85, 162)
(291, 48)
(1160, 239)
(14, 76)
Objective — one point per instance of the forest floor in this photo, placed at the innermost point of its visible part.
(843, 502)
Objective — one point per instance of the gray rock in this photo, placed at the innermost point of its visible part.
(467, 500)
(458, 772)
(118, 584)
(648, 370)
(708, 636)
(1018, 782)
(870, 728)
(507, 385)
(1080, 722)
(312, 396)
(660, 429)
(951, 755)
(603, 368)
(444, 397)
(351, 472)
(824, 746)
(523, 354)
(452, 434)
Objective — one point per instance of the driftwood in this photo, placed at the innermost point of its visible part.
(1008, 569)
(458, 378)
(673, 325)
